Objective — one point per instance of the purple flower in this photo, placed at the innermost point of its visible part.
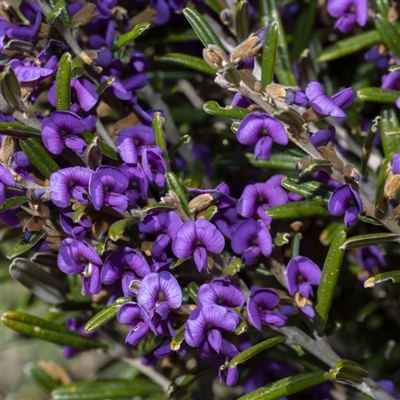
(324, 105)
(345, 200)
(76, 256)
(107, 186)
(301, 273)
(70, 183)
(154, 165)
(134, 315)
(206, 323)
(258, 198)
(323, 137)
(251, 239)
(138, 182)
(196, 238)
(159, 291)
(341, 9)
(260, 308)
(395, 167)
(62, 128)
(4, 25)
(220, 292)
(296, 96)
(77, 230)
(370, 257)
(131, 141)
(224, 219)
(6, 179)
(27, 72)
(33, 14)
(165, 225)
(127, 264)
(262, 130)
(221, 193)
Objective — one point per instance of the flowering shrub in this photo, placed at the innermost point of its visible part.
(237, 228)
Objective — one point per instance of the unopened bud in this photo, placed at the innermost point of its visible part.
(215, 57)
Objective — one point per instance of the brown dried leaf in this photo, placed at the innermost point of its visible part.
(84, 15)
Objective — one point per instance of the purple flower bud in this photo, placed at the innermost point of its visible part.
(262, 130)
(323, 137)
(197, 238)
(134, 315)
(396, 164)
(301, 273)
(345, 200)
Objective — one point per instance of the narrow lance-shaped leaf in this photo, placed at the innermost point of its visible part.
(116, 230)
(103, 86)
(39, 157)
(254, 350)
(328, 234)
(49, 331)
(210, 212)
(100, 390)
(22, 246)
(63, 82)
(369, 240)
(269, 54)
(17, 130)
(105, 315)
(348, 371)
(193, 290)
(158, 121)
(177, 340)
(330, 276)
(38, 281)
(77, 67)
(367, 146)
(65, 15)
(213, 108)
(174, 184)
(56, 11)
(105, 149)
(10, 87)
(12, 202)
(304, 25)
(389, 34)
(41, 378)
(241, 20)
(383, 7)
(159, 207)
(77, 215)
(185, 139)
(202, 27)
(128, 36)
(378, 95)
(390, 133)
(196, 63)
(380, 201)
(295, 245)
(287, 386)
(284, 71)
(299, 209)
(349, 45)
(393, 276)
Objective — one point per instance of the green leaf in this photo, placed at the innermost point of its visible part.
(149, 343)
(389, 34)
(176, 342)
(241, 20)
(158, 121)
(38, 281)
(173, 183)
(383, 7)
(63, 82)
(105, 149)
(349, 45)
(284, 70)
(328, 234)
(233, 266)
(117, 229)
(159, 207)
(17, 130)
(100, 390)
(299, 209)
(211, 211)
(10, 87)
(378, 95)
(193, 289)
(77, 215)
(281, 239)
(348, 371)
(196, 63)
(269, 55)
(12, 202)
(213, 108)
(56, 11)
(202, 27)
(390, 133)
(43, 380)
(283, 162)
(105, 315)
(77, 67)
(101, 246)
(303, 27)
(105, 85)
(22, 246)
(39, 157)
(314, 190)
(254, 350)
(330, 276)
(128, 36)
(65, 16)
(380, 200)
(49, 331)
(185, 139)
(393, 276)
(287, 386)
(369, 240)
